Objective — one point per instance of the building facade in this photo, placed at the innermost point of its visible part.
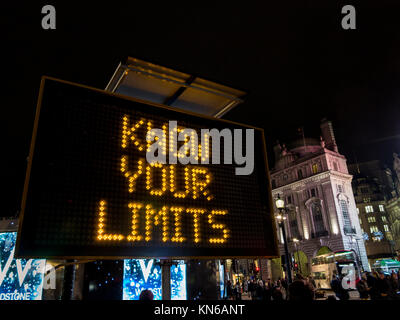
(393, 205)
(376, 190)
(374, 218)
(393, 210)
(312, 178)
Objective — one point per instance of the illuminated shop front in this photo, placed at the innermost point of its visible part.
(141, 274)
(20, 279)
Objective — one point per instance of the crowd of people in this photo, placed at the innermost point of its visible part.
(379, 286)
(374, 286)
(302, 288)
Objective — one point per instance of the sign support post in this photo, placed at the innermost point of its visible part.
(69, 280)
(166, 279)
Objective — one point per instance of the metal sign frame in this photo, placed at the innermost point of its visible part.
(269, 218)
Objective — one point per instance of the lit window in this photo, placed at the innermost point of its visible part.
(360, 221)
(384, 219)
(386, 227)
(369, 209)
(381, 208)
(371, 219)
(373, 229)
(358, 211)
(315, 168)
(345, 213)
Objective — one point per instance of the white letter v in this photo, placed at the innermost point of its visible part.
(22, 273)
(6, 267)
(146, 270)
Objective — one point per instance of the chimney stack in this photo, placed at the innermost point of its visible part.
(328, 135)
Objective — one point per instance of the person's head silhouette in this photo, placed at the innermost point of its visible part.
(146, 295)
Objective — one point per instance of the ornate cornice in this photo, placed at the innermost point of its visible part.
(341, 175)
(302, 182)
(315, 178)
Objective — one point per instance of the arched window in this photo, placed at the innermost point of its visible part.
(318, 220)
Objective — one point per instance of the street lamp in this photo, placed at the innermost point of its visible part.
(280, 205)
(296, 241)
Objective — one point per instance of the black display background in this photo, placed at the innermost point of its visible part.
(76, 163)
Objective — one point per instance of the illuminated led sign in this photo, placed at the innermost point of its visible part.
(221, 271)
(20, 279)
(141, 274)
(92, 190)
(178, 281)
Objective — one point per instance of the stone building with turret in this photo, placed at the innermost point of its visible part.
(311, 176)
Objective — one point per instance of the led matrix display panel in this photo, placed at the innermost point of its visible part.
(90, 191)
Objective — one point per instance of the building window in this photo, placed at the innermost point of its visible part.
(313, 193)
(273, 182)
(335, 166)
(346, 216)
(315, 168)
(384, 219)
(285, 177)
(371, 219)
(358, 211)
(300, 174)
(381, 208)
(339, 188)
(373, 229)
(289, 199)
(364, 190)
(360, 221)
(317, 217)
(386, 227)
(369, 209)
(294, 229)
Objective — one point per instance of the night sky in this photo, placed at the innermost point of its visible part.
(294, 60)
